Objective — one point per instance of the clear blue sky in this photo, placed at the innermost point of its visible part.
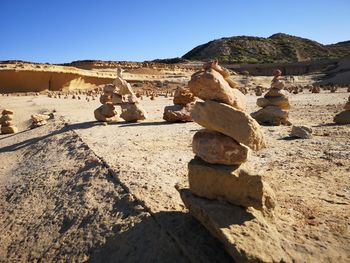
(59, 31)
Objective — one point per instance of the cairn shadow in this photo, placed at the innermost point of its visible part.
(162, 237)
(66, 128)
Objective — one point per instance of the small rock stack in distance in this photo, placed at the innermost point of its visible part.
(219, 169)
(6, 122)
(275, 104)
(344, 116)
(183, 104)
(119, 93)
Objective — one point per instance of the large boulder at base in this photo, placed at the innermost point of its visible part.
(236, 184)
(106, 113)
(132, 112)
(217, 148)
(178, 113)
(247, 235)
(8, 129)
(280, 102)
(210, 85)
(229, 121)
(342, 118)
(183, 96)
(271, 115)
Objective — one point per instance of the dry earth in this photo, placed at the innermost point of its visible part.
(77, 190)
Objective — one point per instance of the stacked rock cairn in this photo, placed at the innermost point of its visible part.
(274, 104)
(219, 169)
(119, 93)
(6, 122)
(183, 104)
(344, 116)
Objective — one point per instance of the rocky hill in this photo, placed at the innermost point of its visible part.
(278, 48)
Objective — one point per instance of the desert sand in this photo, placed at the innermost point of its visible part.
(79, 190)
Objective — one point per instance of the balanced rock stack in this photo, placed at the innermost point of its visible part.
(6, 122)
(275, 104)
(218, 171)
(119, 93)
(183, 104)
(344, 116)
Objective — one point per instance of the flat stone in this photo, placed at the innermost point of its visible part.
(7, 112)
(274, 92)
(237, 185)
(342, 118)
(246, 234)
(301, 132)
(229, 121)
(271, 115)
(210, 85)
(280, 102)
(217, 148)
(178, 113)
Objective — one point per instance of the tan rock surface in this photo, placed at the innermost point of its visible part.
(132, 112)
(210, 85)
(342, 117)
(8, 129)
(216, 148)
(229, 121)
(271, 115)
(175, 113)
(280, 102)
(183, 96)
(274, 92)
(235, 184)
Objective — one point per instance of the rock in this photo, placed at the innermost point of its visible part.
(39, 120)
(277, 84)
(280, 102)
(175, 113)
(274, 92)
(216, 148)
(7, 123)
(6, 117)
(183, 96)
(116, 99)
(347, 106)
(132, 112)
(229, 121)
(105, 113)
(342, 118)
(105, 99)
(210, 85)
(236, 184)
(123, 86)
(109, 88)
(271, 115)
(8, 129)
(246, 234)
(301, 132)
(129, 98)
(7, 112)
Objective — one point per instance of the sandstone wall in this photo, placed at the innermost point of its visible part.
(29, 81)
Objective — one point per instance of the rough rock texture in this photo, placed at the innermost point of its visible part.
(229, 121)
(280, 102)
(123, 86)
(301, 132)
(216, 148)
(271, 115)
(275, 92)
(8, 129)
(210, 85)
(7, 112)
(39, 120)
(105, 112)
(236, 184)
(246, 234)
(178, 113)
(342, 118)
(183, 96)
(132, 112)
(104, 98)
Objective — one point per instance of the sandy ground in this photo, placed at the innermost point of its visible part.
(76, 189)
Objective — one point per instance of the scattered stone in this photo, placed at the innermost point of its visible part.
(216, 148)
(301, 132)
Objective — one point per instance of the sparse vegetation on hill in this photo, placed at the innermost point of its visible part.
(278, 48)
